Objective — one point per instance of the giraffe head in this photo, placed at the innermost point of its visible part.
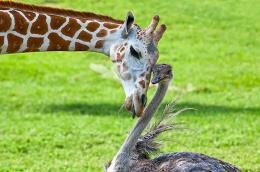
(134, 55)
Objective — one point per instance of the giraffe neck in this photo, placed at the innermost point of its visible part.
(37, 29)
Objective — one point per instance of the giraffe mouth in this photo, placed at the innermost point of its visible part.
(136, 104)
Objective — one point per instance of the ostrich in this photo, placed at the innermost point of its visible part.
(133, 154)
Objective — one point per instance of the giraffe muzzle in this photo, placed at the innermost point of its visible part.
(136, 104)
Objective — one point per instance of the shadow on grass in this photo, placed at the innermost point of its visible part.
(218, 109)
(114, 109)
(102, 109)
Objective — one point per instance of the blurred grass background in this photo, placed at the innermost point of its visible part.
(56, 114)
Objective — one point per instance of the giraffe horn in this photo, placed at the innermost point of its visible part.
(150, 29)
(159, 33)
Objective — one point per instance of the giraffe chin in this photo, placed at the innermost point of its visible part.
(134, 105)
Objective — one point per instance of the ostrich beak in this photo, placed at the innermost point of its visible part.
(156, 79)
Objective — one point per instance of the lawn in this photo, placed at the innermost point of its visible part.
(56, 114)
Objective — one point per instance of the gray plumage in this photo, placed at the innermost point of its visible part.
(181, 162)
(134, 154)
(148, 145)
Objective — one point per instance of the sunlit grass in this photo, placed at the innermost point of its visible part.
(56, 114)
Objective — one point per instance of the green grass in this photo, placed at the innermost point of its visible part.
(58, 115)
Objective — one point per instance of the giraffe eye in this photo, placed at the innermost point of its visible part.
(134, 52)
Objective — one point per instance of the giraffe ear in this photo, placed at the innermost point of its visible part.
(128, 24)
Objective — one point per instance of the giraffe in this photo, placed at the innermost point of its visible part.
(132, 50)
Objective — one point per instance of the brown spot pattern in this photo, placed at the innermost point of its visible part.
(85, 36)
(110, 25)
(102, 33)
(147, 77)
(40, 25)
(119, 57)
(1, 40)
(92, 26)
(5, 22)
(125, 67)
(142, 83)
(80, 47)
(113, 31)
(122, 49)
(15, 43)
(57, 11)
(99, 44)
(82, 20)
(147, 84)
(29, 15)
(34, 44)
(57, 43)
(71, 28)
(21, 25)
(57, 21)
(3, 8)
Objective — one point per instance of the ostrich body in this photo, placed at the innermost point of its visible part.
(133, 157)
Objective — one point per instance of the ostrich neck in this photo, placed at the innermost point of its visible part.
(121, 160)
(145, 119)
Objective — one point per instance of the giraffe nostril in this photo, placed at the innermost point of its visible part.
(133, 111)
(143, 99)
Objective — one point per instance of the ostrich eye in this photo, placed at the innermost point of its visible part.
(134, 53)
